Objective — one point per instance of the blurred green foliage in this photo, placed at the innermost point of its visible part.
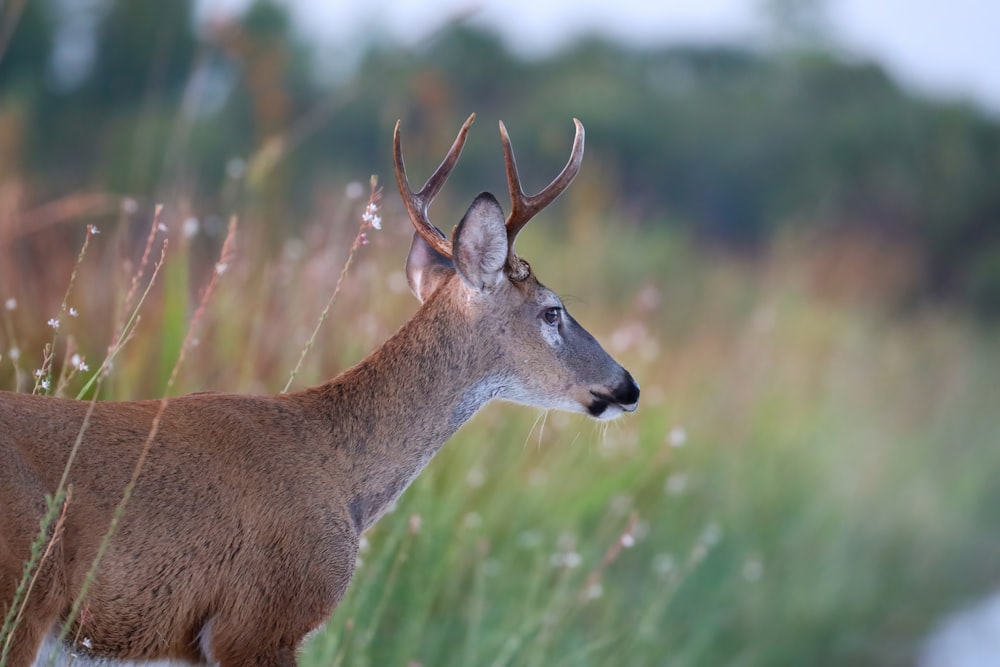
(736, 145)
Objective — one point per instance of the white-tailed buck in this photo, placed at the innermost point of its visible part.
(242, 533)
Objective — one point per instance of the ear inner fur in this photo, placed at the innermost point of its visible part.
(480, 244)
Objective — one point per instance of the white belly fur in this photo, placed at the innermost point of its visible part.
(64, 657)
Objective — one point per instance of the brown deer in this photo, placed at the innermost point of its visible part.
(241, 535)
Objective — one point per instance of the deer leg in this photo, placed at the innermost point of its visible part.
(234, 655)
(250, 639)
(282, 657)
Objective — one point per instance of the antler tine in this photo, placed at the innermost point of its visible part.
(523, 207)
(417, 202)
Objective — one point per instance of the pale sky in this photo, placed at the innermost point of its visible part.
(949, 47)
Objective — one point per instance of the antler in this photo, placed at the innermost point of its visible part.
(417, 202)
(523, 207)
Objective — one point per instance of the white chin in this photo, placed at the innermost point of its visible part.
(610, 412)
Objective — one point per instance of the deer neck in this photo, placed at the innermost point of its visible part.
(395, 409)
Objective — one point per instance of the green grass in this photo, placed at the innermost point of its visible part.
(834, 493)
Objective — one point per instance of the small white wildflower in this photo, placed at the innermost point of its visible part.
(129, 205)
(220, 268)
(620, 505)
(370, 216)
(10, 304)
(711, 534)
(14, 354)
(354, 190)
(529, 539)
(677, 437)
(677, 483)
(235, 167)
(44, 384)
(293, 250)
(190, 227)
(363, 544)
(568, 559)
(94, 231)
(628, 540)
(753, 569)
(664, 564)
(53, 322)
(79, 363)
(160, 227)
(475, 477)
(566, 542)
(87, 643)
(640, 530)
(73, 312)
(39, 372)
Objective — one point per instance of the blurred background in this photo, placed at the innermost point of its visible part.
(787, 227)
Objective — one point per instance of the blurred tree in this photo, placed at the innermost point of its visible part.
(273, 89)
(142, 48)
(797, 24)
(735, 145)
(26, 38)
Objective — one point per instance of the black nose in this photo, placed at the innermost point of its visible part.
(627, 392)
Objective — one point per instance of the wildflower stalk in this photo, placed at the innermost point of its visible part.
(220, 267)
(625, 541)
(647, 624)
(127, 327)
(137, 276)
(402, 550)
(43, 380)
(32, 566)
(369, 218)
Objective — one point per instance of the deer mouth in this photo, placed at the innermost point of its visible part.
(622, 398)
(606, 406)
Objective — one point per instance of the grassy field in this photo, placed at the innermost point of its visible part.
(810, 478)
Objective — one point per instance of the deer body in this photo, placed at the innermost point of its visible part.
(241, 535)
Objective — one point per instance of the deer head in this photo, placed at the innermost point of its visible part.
(550, 361)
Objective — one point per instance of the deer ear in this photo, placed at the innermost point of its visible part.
(480, 244)
(426, 268)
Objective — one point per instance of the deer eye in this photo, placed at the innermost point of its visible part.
(551, 315)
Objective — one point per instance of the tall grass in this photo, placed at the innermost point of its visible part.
(810, 479)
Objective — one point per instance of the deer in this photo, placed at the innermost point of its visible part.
(241, 535)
